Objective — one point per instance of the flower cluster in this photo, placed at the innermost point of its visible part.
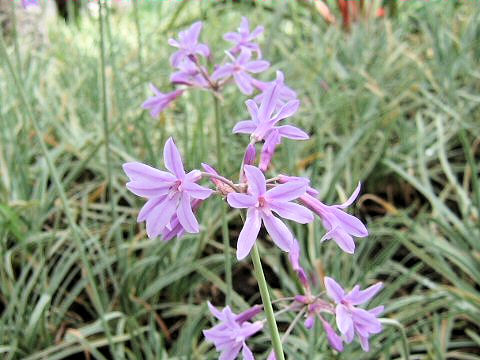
(174, 196)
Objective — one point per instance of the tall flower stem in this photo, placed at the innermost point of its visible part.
(267, 304)
(225, 235)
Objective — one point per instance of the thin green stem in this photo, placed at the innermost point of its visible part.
(77, 237)
(106, 128)
(225, 235)
(267, 304)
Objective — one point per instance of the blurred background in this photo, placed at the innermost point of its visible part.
(390, 95)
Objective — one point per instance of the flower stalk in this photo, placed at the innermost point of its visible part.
(267, 304)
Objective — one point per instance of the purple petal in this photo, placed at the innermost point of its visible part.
(255, 33)
(256, 180)
(244, 26)
(269, 101)
(310, 321)
(287, 110)
(279, 232)
(344, 319)
(292, 211)
(232, 37)
(341, 238)
(252, 109)
(140, 172)
(244, 127)
(352, 197)
(350, 223)
(243, 82)
(196, 191)
(292, 132)
(174, 43)
(247, 353)
(364, 343)
(148, 189)
(356, 297)
(241, 201)
(172, 159)
(257, 66)
(192, 34)
(217, 313)
(147, 208)
(203, 50)
(287, 192)
(244, 56)
(334, 290)
(377, 310)
(186, 216)
(268, 149)
(249, 314)
(160, 216)
(222, 72)
(230, 353)
(249, 233)
(334, 340)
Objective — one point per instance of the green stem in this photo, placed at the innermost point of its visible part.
(225, 235)
(267, 304)
(106, 128)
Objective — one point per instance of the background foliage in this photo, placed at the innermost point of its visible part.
(393, 103)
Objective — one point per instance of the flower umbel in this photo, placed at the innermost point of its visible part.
(244, 39)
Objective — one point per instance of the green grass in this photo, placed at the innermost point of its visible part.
(394, 104)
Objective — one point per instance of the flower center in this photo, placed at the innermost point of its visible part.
(262, 202)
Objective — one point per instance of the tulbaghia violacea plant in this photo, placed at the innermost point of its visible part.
(174, 196)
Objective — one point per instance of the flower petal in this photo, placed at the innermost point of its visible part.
(280, 233)
(287, 110)
(257, 66)
(249, 233)
(360, 297)
(244, 83)
(292, 211)
(292, 132)
(244, 127)
(222, 72)
(241, 201)
(334, 290)
(256, 180)
(147, 208)
(247, 353)
(172, 159)
(148, 189)
(287, 192)
(186, 216)
(160, 216)
(196, 191)
(344, 319)
(352, 197)
(138, 172)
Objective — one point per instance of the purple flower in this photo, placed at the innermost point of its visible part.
(262, 125)
(188, 45)
(264, 118)
(285, 94)
(350, 319)
(240, 68)
(189, 75)
(333, 338)
(244, 39)
(169, 194)
(160, 101)
(229, 337)
(340, 225)
(260, 204)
